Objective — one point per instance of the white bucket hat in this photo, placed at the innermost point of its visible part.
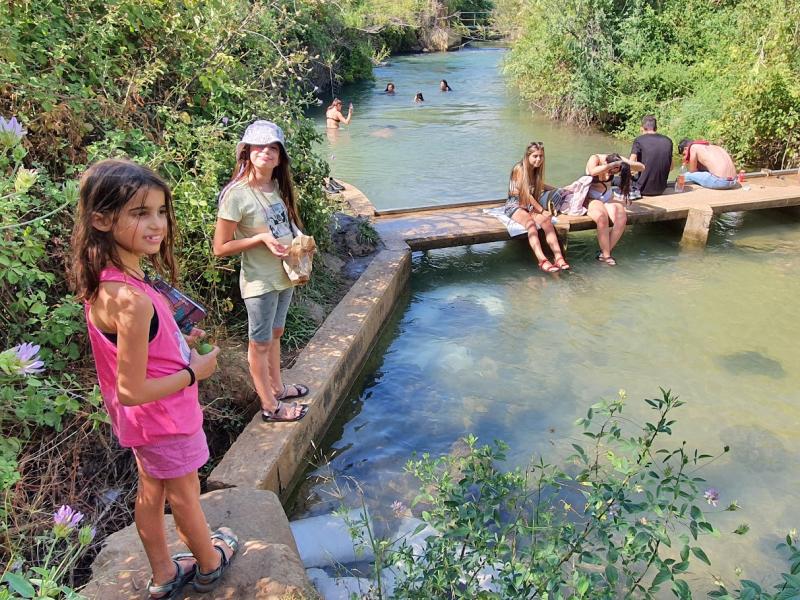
(261, 133)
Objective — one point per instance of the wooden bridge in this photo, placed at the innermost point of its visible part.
(461, 224)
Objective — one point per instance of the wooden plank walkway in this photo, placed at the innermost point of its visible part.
(457, 225)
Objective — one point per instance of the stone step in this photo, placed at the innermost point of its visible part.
(267, 567)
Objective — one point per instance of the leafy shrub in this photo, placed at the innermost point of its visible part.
(624, 517)
(171, 86)
(720, 71)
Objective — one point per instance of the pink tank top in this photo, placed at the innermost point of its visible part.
(177, 414)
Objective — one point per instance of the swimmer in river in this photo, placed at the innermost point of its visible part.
(444, 86)
(418, 98)
(334, 116)
(389, 89)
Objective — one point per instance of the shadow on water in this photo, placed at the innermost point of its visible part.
(751, 362)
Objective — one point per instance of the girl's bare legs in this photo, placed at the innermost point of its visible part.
(183, 494)
(290, 410)
(275, 362)
(523, 218)
(598, 214)
(149, 518)
(619, 218)
(265, 369)
(258, 357)
(550, 235)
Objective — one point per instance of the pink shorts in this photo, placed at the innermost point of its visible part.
(173, 457)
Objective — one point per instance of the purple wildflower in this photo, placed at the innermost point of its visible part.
(225, 120)
(28, 357)
(712, 496)
(11, 131)
(65, 519)
(612, 510)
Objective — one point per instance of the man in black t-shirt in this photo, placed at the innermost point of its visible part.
(655, 151)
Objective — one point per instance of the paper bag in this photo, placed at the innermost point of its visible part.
(300, 259)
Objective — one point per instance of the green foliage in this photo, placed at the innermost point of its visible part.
(60, 549)
(624, 517)
(169, 85)
(367, 233)
(611, 524)
(720, 71)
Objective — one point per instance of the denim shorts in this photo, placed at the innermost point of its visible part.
(267, 312)
(712, 182)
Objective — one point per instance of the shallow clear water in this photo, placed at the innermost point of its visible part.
(454, 147)
(485, 343)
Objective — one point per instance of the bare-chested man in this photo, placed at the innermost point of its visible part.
(709, 165)
(334, 116)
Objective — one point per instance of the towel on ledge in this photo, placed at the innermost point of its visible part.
(514, 228)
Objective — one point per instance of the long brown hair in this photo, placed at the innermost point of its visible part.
(527, 179)
(625, 175)
(105, 188)
(244, 169)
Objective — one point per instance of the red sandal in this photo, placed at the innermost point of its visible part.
(562, 264)
(548, 267)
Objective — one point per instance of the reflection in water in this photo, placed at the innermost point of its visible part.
(488, 345)
(753, 363)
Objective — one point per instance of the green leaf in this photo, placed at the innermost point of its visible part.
(663, 575)
(681, 589)
(19, 584)
(698, 552)
(612, 575)
(742, 529)
(685, 553)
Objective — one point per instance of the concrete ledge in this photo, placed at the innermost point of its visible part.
(271, 456)
(268, 565)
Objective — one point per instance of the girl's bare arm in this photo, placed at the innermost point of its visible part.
(128, 308)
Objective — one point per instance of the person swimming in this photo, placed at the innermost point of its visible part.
(419, 98)
(444, 86)
(389, 88)
(334, 116)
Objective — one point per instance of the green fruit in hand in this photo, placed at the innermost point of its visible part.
(204, 348)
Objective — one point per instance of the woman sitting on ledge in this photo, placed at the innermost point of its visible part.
(601, 204)
(527, 201)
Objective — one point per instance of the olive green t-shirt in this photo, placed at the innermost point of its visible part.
(255, 212)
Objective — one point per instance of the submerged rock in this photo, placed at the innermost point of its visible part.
(752, 362)
(756, 447)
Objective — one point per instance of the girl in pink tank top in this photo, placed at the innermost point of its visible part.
(146, 370)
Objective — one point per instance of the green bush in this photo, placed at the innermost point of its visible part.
(721, 71)
(169, 85)
(623, 517)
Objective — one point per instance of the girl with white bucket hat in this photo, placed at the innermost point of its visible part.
(257, 218)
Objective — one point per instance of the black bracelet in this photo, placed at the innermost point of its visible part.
(193, 379)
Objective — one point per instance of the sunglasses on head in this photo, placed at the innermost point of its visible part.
(536, 144)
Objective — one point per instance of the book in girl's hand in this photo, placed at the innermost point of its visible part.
(186, 311)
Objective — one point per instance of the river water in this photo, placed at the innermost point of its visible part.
(456, 146)
(485, 343)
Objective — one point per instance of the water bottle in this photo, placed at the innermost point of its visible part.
(680, 182)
